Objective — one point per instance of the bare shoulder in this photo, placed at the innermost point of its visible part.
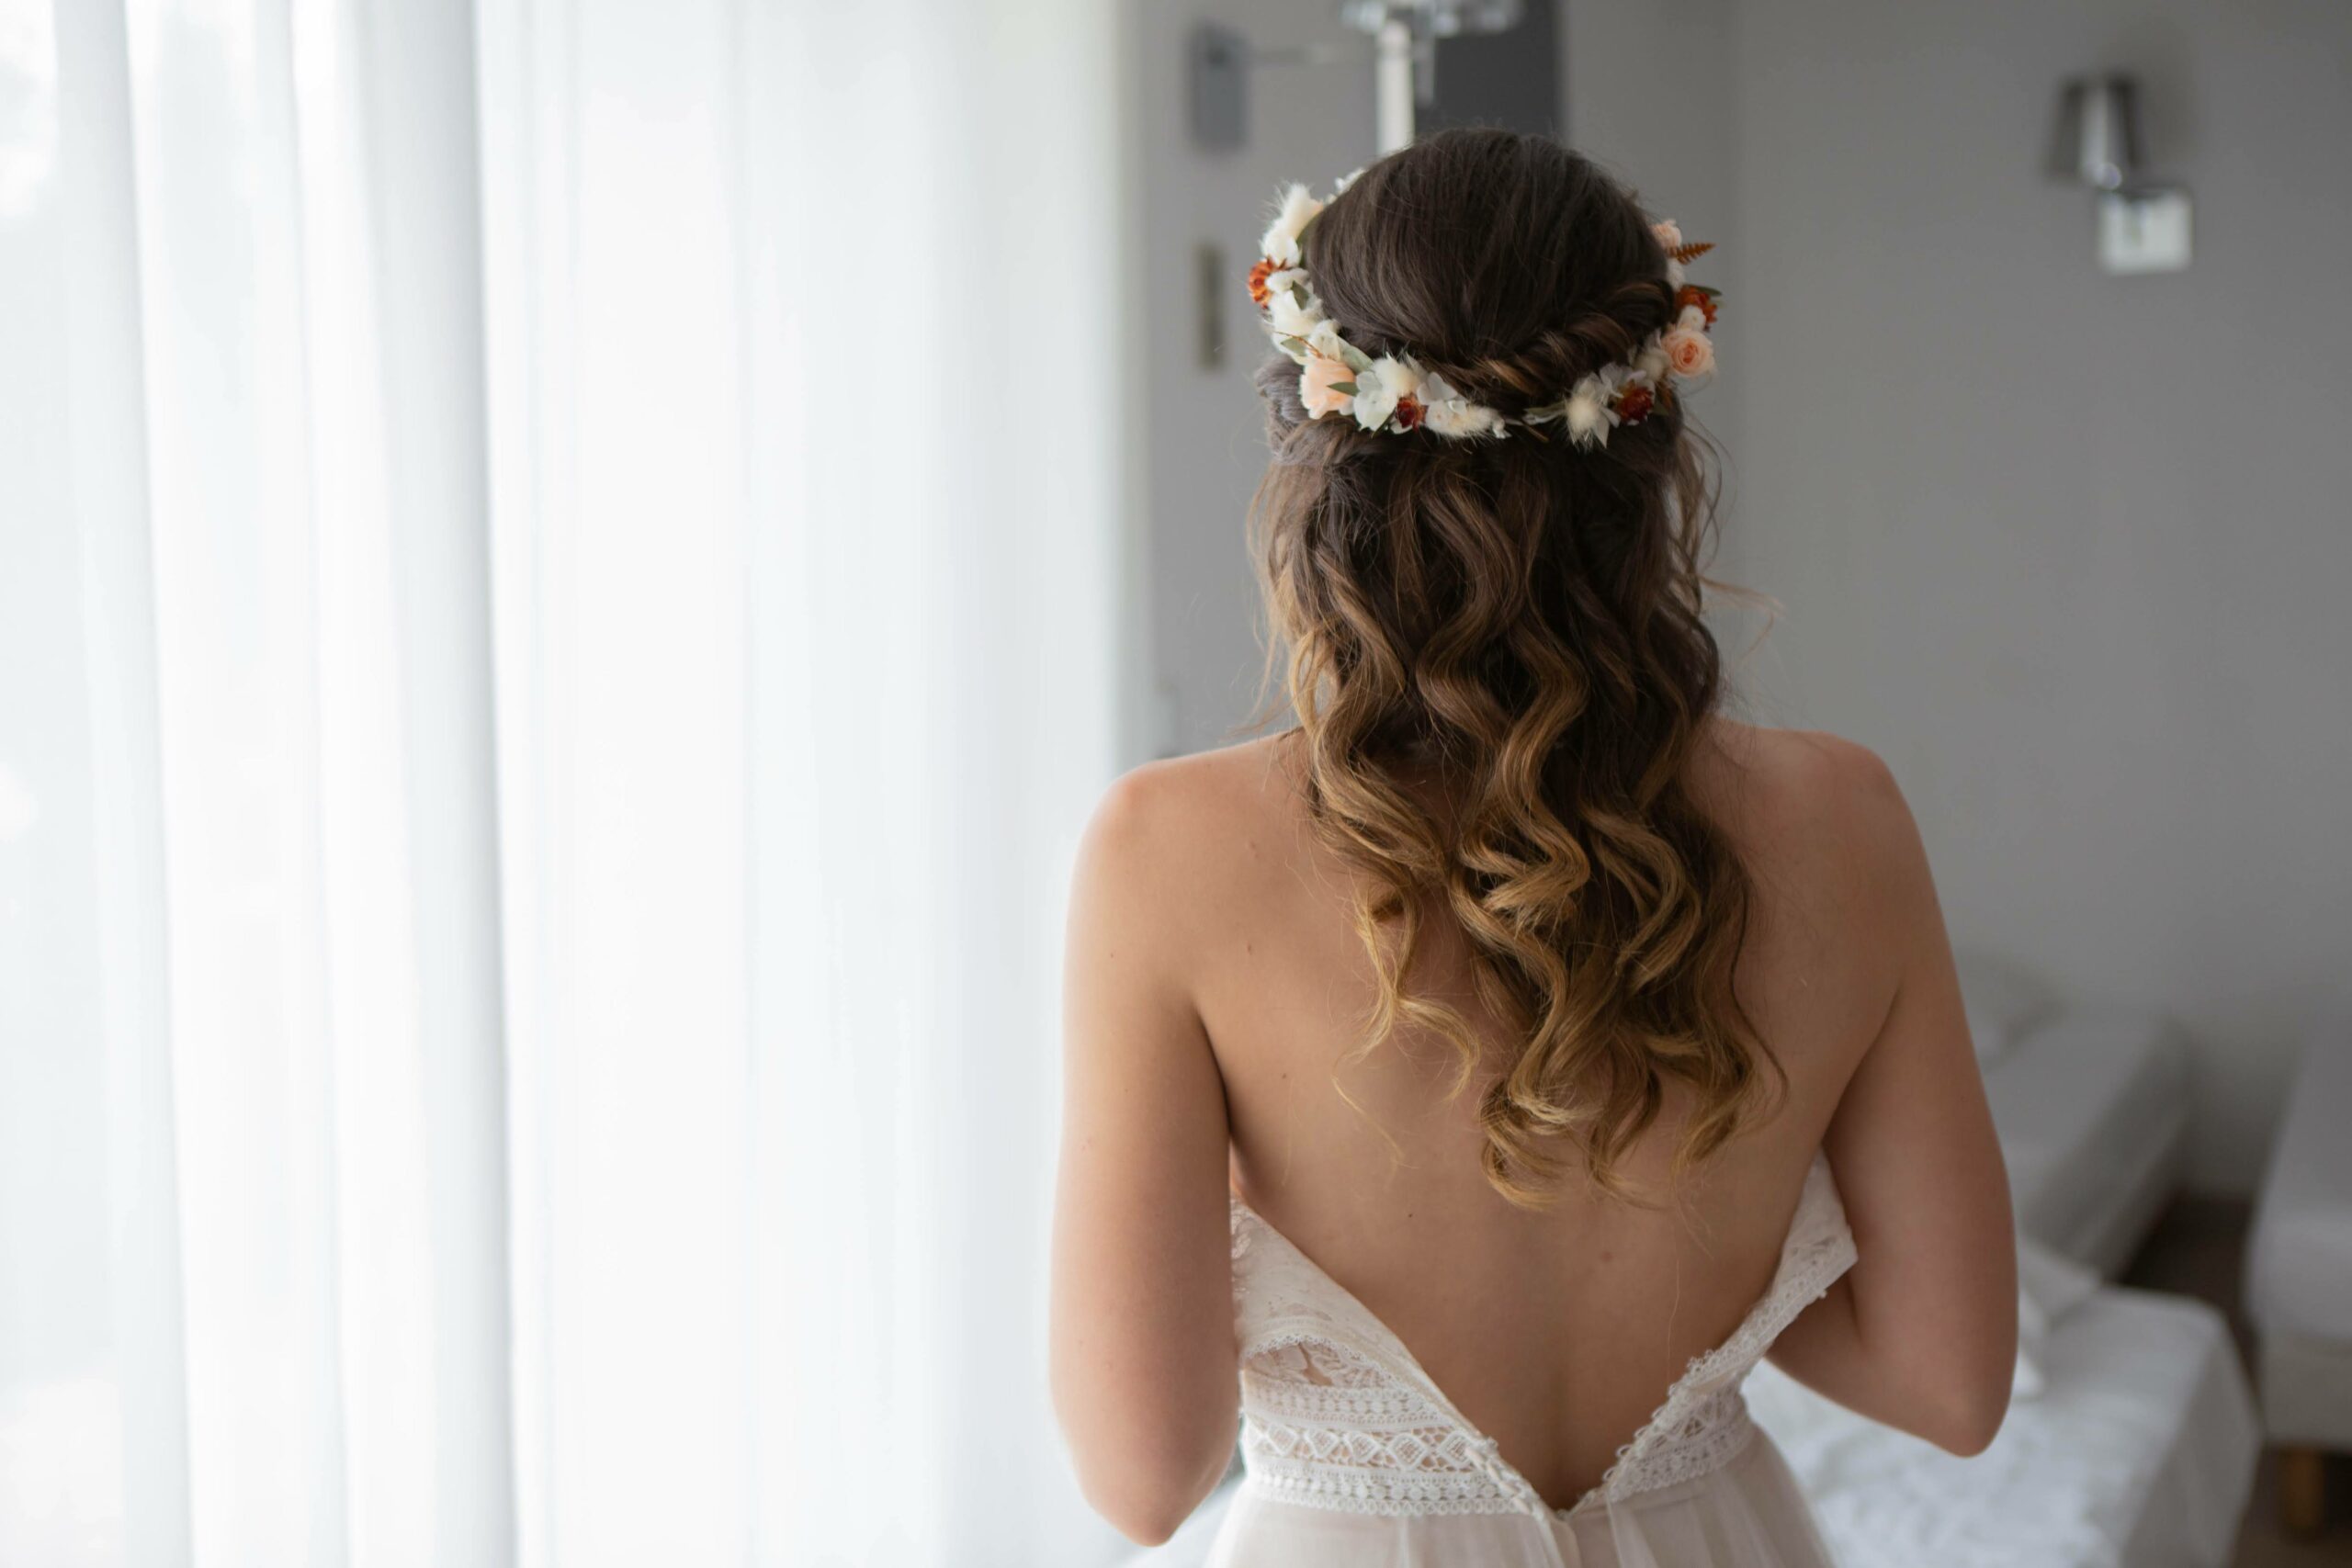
(1806, 795)
(1179, 808)
(1174, 839)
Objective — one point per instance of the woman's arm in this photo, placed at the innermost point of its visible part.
(1143, 1347)
(1922, 1333)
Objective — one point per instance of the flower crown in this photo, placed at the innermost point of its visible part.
(1396, 393)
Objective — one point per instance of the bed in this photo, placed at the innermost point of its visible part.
(2138, 1452)
(2092, 1106)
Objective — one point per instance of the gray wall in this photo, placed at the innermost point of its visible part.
(2069, 550)
(1206, 446)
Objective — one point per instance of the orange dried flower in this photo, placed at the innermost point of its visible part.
(1691, 294)
(1690, 252)
(1633, 404)
(1258, 276)
(1409, 413)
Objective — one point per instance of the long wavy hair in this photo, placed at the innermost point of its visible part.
(1520, 619)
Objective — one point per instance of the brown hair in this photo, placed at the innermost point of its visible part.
(1522, 618)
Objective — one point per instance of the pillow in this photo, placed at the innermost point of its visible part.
(2050, 1285)
(2002, 1001)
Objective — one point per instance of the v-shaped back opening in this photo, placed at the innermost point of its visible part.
(1816, 1249)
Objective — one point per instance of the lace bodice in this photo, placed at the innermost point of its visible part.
(1338, 1413)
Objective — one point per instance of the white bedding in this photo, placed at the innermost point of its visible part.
(2139, 1453)
(2092, 1106)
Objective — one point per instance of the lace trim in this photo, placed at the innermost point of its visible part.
(1318, 1481)
(1703, 1424)
(1337, 1413)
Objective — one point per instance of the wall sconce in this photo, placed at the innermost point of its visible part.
(2143, 227)
(1404, 35)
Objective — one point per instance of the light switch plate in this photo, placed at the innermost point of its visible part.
(2143, 230)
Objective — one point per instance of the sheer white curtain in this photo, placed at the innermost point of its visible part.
(557, 570)
(253, 1222)
(806, 381)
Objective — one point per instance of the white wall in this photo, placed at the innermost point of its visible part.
(2070, 550)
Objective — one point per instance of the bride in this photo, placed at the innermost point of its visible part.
(1467, 1085)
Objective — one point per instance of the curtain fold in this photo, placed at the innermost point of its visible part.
(559, 567)
(267, 849)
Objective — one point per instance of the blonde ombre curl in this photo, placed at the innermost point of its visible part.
(1520, 619)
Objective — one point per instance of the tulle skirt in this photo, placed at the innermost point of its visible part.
(1748, 1514)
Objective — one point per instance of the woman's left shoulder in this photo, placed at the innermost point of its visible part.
(1181, 809)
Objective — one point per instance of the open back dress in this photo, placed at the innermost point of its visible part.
(1357, 1460)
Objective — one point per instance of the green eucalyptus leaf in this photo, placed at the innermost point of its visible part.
(1347, 387)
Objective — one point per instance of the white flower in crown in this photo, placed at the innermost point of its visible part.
(1453, 415)
(1652, 363)
(1287, 318)
(1378, 387)
(1324, 338)
(1670, 240)
(1281, 242)
(1589, 411)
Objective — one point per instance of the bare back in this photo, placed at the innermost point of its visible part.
(1544, 1325)
(1217, 994)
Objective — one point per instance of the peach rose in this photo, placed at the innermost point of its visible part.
(1318, 386)
(1690, 353)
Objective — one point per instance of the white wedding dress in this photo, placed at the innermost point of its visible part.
(1357, 1460)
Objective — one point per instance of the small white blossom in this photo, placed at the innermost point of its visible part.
(1281, 242)
(1589, 416)
(1288, 318)
(1453, 415)
(1379, 385)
